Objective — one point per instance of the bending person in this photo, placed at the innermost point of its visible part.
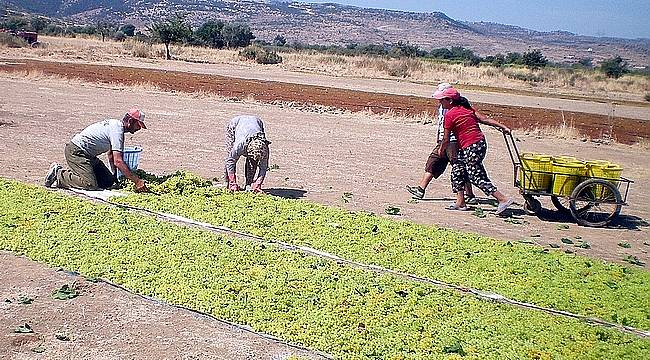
(472, 147)
(245, 136)
(86, 170)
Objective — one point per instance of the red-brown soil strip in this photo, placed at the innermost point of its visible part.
(623, 130)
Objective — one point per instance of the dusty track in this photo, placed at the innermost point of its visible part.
(623, 130)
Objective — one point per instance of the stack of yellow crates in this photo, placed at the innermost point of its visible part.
(559, 175)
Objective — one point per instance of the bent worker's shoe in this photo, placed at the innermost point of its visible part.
(416, 191)
(471, 200)
(50, 178)
(503, 206)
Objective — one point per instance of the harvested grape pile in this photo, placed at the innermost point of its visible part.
(321, 304)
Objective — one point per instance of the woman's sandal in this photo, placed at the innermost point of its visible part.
(453, 206)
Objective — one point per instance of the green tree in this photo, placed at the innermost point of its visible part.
(534, 59)
(105, 28)
(38, 24)
(279, 40)
(586, 62)
(15, 23)
(614, 67)
(171, 30)
(461, 53)
(405, 49)
(237, 35)
(119, 36)
(210, 33)
(513, 58)
(128, 29)
(497, 60)
(441, 53)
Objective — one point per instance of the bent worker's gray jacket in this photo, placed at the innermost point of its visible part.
(238, 132)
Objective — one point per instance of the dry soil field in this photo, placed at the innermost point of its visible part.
(320, 154)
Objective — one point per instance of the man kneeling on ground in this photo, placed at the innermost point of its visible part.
(86, 170)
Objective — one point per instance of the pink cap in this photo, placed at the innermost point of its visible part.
(449, 93)
(137, 115)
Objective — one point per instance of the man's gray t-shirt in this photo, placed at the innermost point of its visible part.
(242, 128)
(101, 137)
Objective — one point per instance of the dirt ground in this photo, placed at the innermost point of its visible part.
(105, 322)
(319, 156)
(593, 124)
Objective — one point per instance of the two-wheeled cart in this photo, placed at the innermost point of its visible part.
(591, 200)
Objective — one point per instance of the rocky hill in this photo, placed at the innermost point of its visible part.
(340, 24)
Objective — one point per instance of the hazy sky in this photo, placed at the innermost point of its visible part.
(622, 18)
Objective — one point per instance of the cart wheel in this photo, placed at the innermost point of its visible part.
(595, 203)
(562, 204)
(531, 205)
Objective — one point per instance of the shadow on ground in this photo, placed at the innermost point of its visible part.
(286, 193)
(622, 221)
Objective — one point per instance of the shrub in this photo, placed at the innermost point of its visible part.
(260, 55)
(141, 50)
(586, 62)
(614, 67)
(279, 40)
(250, 52)
(527, 77)
(399, 70)
(534, 59)
(11, 41)
(332, 59)
(513, 58)
(119, 36)
(268, 57)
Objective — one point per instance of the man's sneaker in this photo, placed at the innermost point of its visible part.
(50, 178)
(416, 191)
(471, 200)
(503, 206)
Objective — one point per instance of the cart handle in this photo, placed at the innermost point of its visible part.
(513, 151)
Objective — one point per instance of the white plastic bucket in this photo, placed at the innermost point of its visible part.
(131, 156)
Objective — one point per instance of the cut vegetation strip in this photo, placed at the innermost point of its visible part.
(317, 303)
(521, 272)
(310, 251)
(244, 328)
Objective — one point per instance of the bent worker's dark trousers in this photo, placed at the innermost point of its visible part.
(86, 172)
(250, 170)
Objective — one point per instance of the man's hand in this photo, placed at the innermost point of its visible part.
(234, 187)
(140, 186)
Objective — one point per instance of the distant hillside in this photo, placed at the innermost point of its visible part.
(340, 24)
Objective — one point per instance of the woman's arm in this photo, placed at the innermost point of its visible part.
(487, 121)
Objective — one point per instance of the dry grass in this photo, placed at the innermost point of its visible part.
(9, 41)
(564, 131)
(555, 132)
(562, 81)
(37, 75)
(643, 144)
